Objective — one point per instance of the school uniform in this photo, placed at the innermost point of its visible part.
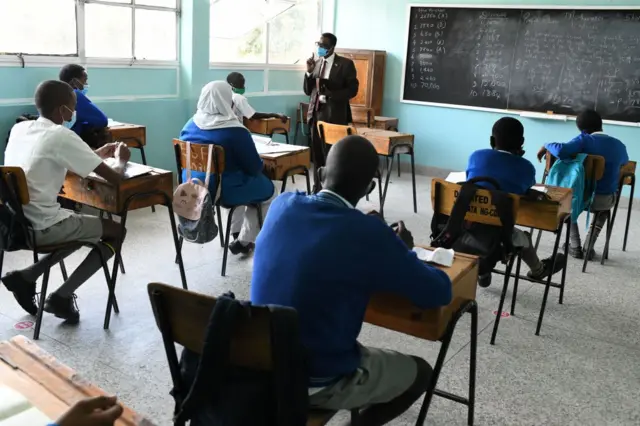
(359, 256)
(88, 116)
(242, 108)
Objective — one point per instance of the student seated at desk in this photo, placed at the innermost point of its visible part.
(242, 180)
(46, 149)
(91, 122)
(241, 106)
(505, 163)
(592, 141)
(323, 257)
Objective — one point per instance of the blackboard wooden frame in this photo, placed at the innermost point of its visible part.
(522, 113)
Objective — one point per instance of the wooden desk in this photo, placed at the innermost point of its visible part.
(48, 384)
(396, 313)
(269, 126)
(134, 135)
(385, 123)
(281, 165)
(546, 215)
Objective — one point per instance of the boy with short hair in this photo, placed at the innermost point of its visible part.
(46, 149)
(592, 140)
(505, 163)
(241, 106)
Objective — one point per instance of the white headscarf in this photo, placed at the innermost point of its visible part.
(214, 107)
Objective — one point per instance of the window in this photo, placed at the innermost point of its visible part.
(278, 32)
(110, 29)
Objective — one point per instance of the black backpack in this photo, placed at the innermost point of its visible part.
(492, 244)
(14, 227)
(217, 393)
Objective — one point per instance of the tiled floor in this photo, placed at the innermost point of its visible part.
(584, 369)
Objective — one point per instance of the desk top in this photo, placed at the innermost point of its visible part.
(49, 385)
(546, 215)
(278, 150)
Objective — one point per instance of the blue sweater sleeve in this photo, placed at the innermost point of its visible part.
(246, 153)
(564, 151)
(89, 113)
(404, 274)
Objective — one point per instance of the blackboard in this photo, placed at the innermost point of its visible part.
(541, 60)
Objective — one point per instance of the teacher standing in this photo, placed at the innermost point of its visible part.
(331, 81)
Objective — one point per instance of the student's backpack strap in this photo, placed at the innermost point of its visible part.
(290, 368)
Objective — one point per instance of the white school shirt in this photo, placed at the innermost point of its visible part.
(328, 63)
(241, 107)
(45, 151)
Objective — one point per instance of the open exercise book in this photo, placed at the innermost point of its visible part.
(16, 410)
(266, 145)
(132, 170)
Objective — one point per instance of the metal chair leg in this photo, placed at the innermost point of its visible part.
(626, 229)
(607, 234)
(227, 238)
(119, 253)
(591, 241)
(386, 185)
(220, 226)
(1, 261)
(564, 270)
(399, 165)
(306, 174)
(144, 161)
(180, 241)
(543, 307)
(507, 275)
(63, 270)
(514, 296)
(43, 297)
(413, 180)
(473, 348)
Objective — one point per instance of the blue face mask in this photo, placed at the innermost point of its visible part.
(69, 124)
(322, 51)
(85, 90)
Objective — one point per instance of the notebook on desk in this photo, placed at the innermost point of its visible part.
(132, 170)
(266, 145)
(114, 123)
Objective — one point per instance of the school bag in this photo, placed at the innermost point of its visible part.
(193, 204)
(212, 391)
(570, 173)
(14, 228)
(492, 244)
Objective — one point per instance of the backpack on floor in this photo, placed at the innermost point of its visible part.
(492, 244)
(193, 204)
(570, 173)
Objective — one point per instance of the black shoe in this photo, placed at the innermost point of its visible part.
(24, 291)
(237, 247)
(547, 264)
(575, 252)
(592, 254)
(484, 281)
(63, 307)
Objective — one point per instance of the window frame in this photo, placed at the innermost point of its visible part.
(266, 66)
(25, 60)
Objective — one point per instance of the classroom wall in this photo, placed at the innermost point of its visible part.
(445, 136)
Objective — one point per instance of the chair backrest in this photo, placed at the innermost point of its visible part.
(16, 179)
(199, 158)
(362, 116)
(303, 110)
(334, 133)
(481, 209)
(182, 316)
(627, 171)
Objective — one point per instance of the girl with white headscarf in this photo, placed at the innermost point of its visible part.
(242, 181)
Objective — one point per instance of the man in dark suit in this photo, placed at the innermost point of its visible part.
(331, 81)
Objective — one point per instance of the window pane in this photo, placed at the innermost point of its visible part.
(108, 31)
(238, 29)
(38, 27)
(155, 35)
(158, 3)
(292, 34)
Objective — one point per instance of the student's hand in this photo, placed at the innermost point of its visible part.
(403, 233)
(122, 152)
(99, 411)
(107, 151)
(542, 153)
(311, 64)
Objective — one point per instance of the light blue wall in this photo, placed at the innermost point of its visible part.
(444, 136)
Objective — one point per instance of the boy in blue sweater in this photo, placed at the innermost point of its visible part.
(505, 163)
(91, 122)
(593, 141)
(336, 258)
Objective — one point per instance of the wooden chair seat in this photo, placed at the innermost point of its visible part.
(319, 417)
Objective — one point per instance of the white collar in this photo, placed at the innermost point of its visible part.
(340, 197)
(599, 133)
(45, 120)
(329, 58)
(506, 152)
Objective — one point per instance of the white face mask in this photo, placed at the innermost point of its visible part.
(69, 124)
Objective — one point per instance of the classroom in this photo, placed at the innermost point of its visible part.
(261, 150)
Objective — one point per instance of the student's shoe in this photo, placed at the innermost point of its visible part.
(592, 255)
(65, 308)
(575, 252)
(547, 264)
(237, 247)
(24, 291)
(484, 281)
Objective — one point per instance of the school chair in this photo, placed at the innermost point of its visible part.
(593, 171)
(14, 193)
(627, 178)
(331, 134)
(182, 317)
(302, 123)
(199, 161)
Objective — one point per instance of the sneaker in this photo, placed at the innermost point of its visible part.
(547, 264)
(484, 281)
(63, 307)
(237, 247)
(24, 291)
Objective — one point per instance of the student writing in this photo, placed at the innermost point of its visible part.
(241, 106)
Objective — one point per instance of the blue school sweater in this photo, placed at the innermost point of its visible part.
(612, 149)
(88, 116)
(242, 179)
(515, 174)
(326, 259)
